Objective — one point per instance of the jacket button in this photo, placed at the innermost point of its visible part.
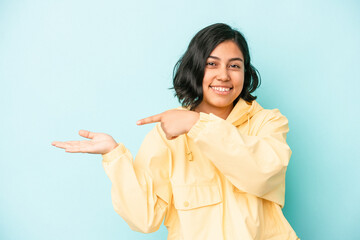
(186, 204)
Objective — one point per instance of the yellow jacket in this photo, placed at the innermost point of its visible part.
(225, 179)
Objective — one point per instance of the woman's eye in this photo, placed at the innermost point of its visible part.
(234, 66)
(211, 64)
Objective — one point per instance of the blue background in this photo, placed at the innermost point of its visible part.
(102, 65)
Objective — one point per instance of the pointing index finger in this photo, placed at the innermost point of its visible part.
(151, 119)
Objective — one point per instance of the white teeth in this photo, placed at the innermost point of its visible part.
(221, 89)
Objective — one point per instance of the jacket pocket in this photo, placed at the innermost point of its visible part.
(187, 197)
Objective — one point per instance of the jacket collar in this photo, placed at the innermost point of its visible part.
(243, 111)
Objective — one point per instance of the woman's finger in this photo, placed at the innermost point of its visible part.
(151, 119)
(76, 149)
(66, 144)
(86, 134)
(59, 144)
(71, 146)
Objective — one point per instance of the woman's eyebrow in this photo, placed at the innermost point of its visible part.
(231, 59)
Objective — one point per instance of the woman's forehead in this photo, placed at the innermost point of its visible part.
(227, 50)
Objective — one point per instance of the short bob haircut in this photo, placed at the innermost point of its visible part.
(188, 72)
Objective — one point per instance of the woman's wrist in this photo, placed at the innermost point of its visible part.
(195, 116)
(112, 147)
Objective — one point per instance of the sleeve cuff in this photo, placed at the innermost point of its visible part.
(199, 125)
(115, 153)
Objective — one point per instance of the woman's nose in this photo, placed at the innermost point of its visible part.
(222, 74)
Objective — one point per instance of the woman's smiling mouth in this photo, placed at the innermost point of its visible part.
(221, 90)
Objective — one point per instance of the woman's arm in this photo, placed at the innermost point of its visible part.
(141, 189)
(253, 164)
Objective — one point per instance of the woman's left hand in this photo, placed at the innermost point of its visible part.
(173, 122)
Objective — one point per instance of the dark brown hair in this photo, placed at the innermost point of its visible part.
(188, 72)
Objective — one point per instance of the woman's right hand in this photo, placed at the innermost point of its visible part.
(100, 143)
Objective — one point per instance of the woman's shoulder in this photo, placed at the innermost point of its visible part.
(268, 120)
(270, 114)
(267, 113)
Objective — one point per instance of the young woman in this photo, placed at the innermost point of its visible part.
(213, 168)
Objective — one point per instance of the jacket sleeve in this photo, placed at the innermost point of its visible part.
(140, 190)
(253, 164)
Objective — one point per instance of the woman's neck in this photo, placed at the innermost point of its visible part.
(220, 112)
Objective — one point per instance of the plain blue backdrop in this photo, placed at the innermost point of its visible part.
(102, 65)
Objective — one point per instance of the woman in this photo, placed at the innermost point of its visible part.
(214, 168)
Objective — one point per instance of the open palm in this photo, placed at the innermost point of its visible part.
(99, 143)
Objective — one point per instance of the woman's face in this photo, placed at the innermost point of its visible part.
(223, 78)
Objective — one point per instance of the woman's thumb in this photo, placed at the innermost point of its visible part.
(86, 134)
